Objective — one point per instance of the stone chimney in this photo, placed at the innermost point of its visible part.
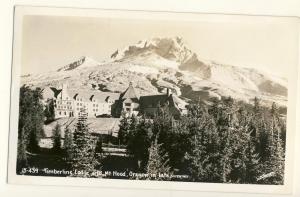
(168, 92)
(64, 92)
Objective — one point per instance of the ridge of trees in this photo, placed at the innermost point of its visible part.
(227, 142)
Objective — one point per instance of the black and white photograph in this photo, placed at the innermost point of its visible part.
(152, 97)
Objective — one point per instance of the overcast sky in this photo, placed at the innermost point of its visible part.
(50, 42)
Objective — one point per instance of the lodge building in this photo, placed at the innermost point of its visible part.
(130, 103)
(70, 103)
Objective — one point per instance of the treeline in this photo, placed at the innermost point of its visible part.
(225, 142)
(31, 121)
(78, 148)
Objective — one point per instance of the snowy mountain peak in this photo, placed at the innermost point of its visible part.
(162, 52)
(172, 49)
(81, 63)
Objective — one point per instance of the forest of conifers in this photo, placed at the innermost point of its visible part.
(226, 141)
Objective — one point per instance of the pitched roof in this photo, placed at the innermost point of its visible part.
(87, 95)
(161, 99)
(49, 92)
(129, 93)
(96, 125)
(153, 100)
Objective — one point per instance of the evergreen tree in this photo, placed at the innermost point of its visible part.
(83, 151)
(99, 153)
(140, 141)
(275, 157)
(250, 168)
(256, 107)
(278, 163)
(226, 153)
(57, 138)
(275, 123)
(200, 166)
(158, 162)
(21, 157)
(49, 111)
(31, 117)
(164, 128)
(98, 149)
(244, 158)
(68, 143)
(224, 113)
(123, 134)
(203, 139)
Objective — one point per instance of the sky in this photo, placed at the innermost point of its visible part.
(50, 42)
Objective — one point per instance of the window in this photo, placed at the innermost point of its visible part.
(65, 113)
(77, 104)
(59, 113)
(127, 104)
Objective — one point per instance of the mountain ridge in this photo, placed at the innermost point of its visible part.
(160, 63)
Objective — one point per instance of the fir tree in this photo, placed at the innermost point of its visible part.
(22, 156)
(123, 134)
(68, 143)
(57, 139)
(31, 117)
(203, 139)
(275, 157)
(157, 166)
(226, 153)
(256, 107)
(83, 151)
(98, 149)
(164, 127)
(140, 141)
(49, 111)
(199, 165)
